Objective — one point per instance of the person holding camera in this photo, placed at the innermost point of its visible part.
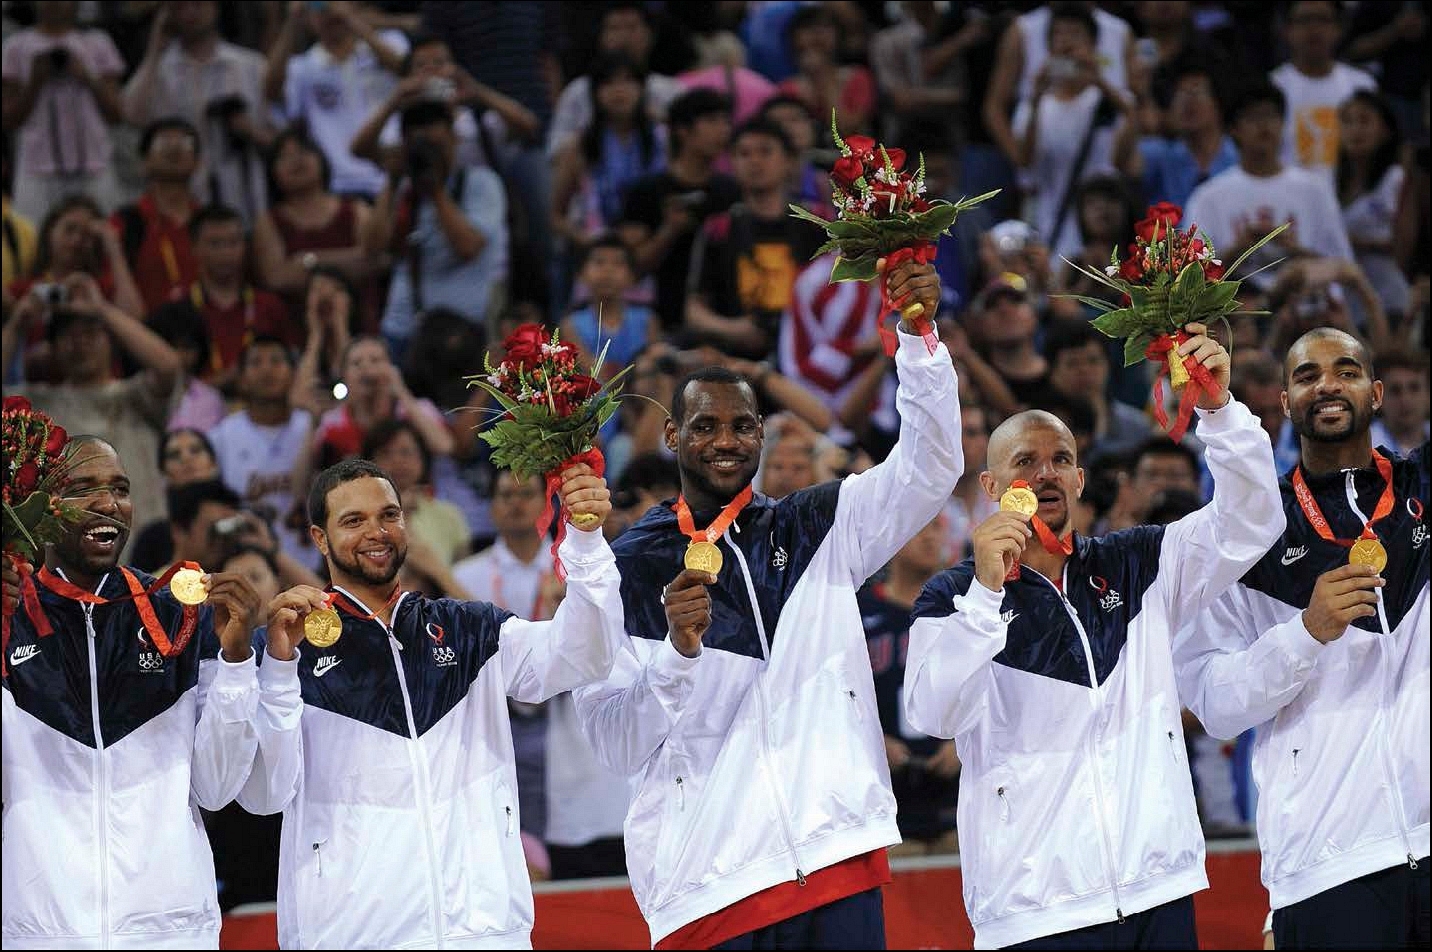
(61, 89)
(190, 72)
(445, 225)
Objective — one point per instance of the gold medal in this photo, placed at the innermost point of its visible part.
(322, 627)
(704, 557)
(1368, 552)
(585, 521)
(1020, 499)
(188, 586)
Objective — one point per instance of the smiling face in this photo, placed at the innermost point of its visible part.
(99, 487)
(1036, 447)
(187, 459)
(1330, 396)
(718, 443)
(365, 538)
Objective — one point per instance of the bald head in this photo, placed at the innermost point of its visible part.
(1007, 438)
(1330, 337)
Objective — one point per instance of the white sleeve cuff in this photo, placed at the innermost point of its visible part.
(981, 607)
(584, 546)
(1295, 639)
(278, 675)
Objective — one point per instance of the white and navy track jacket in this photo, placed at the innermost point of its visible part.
(1076, 804)
(762, 758)
(109, 751)
(390, 755)
(1341, 752)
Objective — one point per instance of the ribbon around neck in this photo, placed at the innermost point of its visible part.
(593, 458)
(922, 253)
(1052, 543)
(1314, 512)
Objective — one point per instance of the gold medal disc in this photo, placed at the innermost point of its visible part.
(188, 587)
(586, 521)
(1368, 552)
(1019, 499)
(704, 557)
(322, 627)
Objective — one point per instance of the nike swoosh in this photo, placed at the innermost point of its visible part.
(320, 672)
(1290, 561)
(16, 662)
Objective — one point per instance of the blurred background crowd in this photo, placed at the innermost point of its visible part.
(245, 241)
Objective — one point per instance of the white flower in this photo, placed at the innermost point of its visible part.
(1111, 270)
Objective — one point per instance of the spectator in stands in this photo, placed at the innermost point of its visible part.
(644, 482)
(821, 82)
(1242, 204)
(924, 771)
(625, 30)
(608, 272)
(664, 211)
(484, 120)
(592, 171)
(307, 225)
(1004, 327)
(191, 73)
(61, 89)
(1078, 358)
(1387, 38)
(1317, 292)
(790, 459)
(1159, 466)
(1369, 179)
(235, 312)
(19, 245)
(1105, 213)
(1073, 127)
(1257, 383)
(86, 334)
(202, 405)
(1403, 424)
(745, 260)
(1196, 148)
(335, 85)
(155, 230)
(195, 510)
(722, 66)
(808, 183)
(969, 504)
(919, 70)
(1315, 84)
(445, 226)
(185, 456)
(331, 320)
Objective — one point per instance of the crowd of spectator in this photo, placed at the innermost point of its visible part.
(246, 241)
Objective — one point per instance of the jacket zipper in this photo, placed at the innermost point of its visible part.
(764, 713)
(1093, 748)
(420, 770)
(101, 790)
(1384, 662)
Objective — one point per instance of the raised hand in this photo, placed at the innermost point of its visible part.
(1339, 597)
(912, 283)
(1210, 354)
(998, 542)
(688, 609)
(585, 496)
(285, 619)
(236, 611)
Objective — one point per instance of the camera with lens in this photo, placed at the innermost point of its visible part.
(425, 163)
(59, 59)
(440, 89)
(51, 295)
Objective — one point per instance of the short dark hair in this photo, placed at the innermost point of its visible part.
(1413, 360)
(712, 374)
(267, 340)
(609, 239)
(198, 434)
(180, 322)
(1190, 64)
(762, 126)
(805, 17)
(1069, 335)
(688, 107)
(785, 99)
(186, 500)
(625, 6)
(215, 214)
(1074, 13)
(63, 318)
(232, 550)
(167, 124)
(1252, 93)
(299, 136)
(427, 112)
(336, 475)
(417, 41)
(648, 471)
(1162, 446)
(387, 431)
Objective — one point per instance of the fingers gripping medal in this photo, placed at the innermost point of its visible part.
(1019, 498)
(323, 627)
(1368, 552)
(585, 521)
(188, 586)
(704, 557)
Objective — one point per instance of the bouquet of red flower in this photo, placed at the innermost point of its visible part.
(38, 458)
(549, 413)
(1169, 279)
(882, 212)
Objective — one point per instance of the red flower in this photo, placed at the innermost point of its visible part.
(581, 386)
(561, 404)
(1213, 272)
(884, 207)
(27, 479)
(1131, 270)
(845, 172)
(861, 147)
(897, 158)
(524, 345)
(918, 205)
(17, 405)
(1162, 218)
(56, 442)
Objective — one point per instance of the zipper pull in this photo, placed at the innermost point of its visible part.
(1411, 861)
(1004, 801)
(1120, 913)
(680, 796)
(800, 877)
(509, 820)
(318, 855)
(1295, 760)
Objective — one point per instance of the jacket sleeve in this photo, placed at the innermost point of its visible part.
(882, 508)
(1205, 552)
(277, 772)
(1237, 669)
(224, 738)
(630, 715)
(949, 668)
(544, 658)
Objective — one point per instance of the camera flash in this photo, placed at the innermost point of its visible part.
(340, 390)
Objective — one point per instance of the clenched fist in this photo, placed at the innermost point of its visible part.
(688, 609)
(998, 543)
(586, 497)
(1340, 597)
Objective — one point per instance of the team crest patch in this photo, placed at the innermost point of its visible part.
(443, 655)
(1109, 598)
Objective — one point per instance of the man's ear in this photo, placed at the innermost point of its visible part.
(320, 540)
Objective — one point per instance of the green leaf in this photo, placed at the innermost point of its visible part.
(805, 214)
(1134, 348)
(937, 220)
(1098, 304)
(1217, 296)
(1248, 252)
(1183, 296)
(854, 269)
(1120, 323)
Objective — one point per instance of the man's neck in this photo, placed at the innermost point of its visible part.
(904, 584)
(689, 168)
(1046, 563)
(612, 311)
(1317, 69)
(1322, 459)
(1204, 144)
(223, 292)
(374, 597)
(770, 203)
(1261, 167)
(340, 48)
(700, 500)
(1016, 356)
(1410, 435)
(270, 412)
(173, 199)
(77, 578)
(523, 545)
(201, 48)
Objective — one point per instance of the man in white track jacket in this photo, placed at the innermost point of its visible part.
(116, 730)
(744, 710)
(1329, 660)
(390, 751)
(1078, 827)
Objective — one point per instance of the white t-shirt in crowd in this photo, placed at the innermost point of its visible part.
(1310, 135)
(1109, 48)
(1220, 205)
(257, 463)
(335, 99)
(498, 576)
(1062, 127)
